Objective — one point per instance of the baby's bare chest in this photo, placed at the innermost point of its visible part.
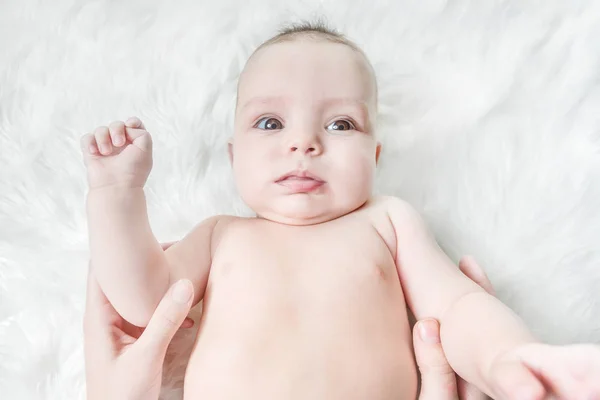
(325, 259)
(320, 305)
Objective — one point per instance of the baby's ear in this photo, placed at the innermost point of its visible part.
(377, 153)
(230, 150)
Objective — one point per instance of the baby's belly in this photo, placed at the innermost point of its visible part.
(302, 328)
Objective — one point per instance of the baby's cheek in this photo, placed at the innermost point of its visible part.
(252, 173)
(363, 172)
(362, 162)
(354, 183)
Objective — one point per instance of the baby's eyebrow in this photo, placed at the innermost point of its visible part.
(361, 105)
(264, 100)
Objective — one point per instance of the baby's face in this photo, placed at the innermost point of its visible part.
(303, 149)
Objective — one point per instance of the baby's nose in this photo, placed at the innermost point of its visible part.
(307, 146)
(309, 149)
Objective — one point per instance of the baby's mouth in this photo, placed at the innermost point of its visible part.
(300, 182)
(300, 175)
(297, 178)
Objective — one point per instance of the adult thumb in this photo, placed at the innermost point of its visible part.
(168, 317)
(438, 380)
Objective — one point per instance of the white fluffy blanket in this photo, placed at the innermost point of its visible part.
(490, 116)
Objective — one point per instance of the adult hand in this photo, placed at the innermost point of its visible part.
(125, 362)
(438, 380)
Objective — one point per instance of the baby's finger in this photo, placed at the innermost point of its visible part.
(103, 140)
(140, 137)
(117, 133)
(88, 144)
(135, 122)
(134, 133)
(513, 380)
(438, 380)
(473, 271)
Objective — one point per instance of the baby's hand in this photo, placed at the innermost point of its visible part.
(118, 156)
(537, 371)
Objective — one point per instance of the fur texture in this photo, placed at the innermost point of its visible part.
(489, 115)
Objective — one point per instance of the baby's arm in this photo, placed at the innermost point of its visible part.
(129, 263)
(475, 327)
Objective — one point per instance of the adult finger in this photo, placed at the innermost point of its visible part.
(168, 318)
(438, 381)
(468, 391)
(570, 372)
(188, 322)
(513, 380)
(473, 271)
(98, 318)
(95, 301)
(166, 245)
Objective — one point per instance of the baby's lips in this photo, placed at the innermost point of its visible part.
(300, 174)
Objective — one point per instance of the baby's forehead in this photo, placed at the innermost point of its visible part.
(280, 56)
(307, 67)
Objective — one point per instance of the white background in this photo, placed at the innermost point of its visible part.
(489, 114)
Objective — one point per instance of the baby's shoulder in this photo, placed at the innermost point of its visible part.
(224, 224)
(393, 211)
(388, 204)
(209, 231)
(211, 226)
(220, 223)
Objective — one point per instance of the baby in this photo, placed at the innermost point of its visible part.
(309, 299)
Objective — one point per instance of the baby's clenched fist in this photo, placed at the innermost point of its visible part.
(119, 155)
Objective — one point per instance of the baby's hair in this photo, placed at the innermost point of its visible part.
(311, 30)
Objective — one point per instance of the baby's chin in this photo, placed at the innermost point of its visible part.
(296, 219)
(303, 214)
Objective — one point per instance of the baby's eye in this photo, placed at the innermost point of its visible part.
(270, 123)
(346, 126)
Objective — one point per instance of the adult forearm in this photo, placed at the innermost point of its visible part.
(477, 328)
(128, 261)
